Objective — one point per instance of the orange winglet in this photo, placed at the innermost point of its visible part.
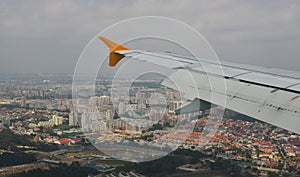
(114, 58)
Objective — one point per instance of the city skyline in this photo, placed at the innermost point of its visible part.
(41, 113)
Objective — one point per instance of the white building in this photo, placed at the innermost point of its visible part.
(57, 120)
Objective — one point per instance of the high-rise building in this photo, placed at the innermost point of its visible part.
(57, 120)
(73, 119)
(173, 106)
(121, 108)
(104, 100)
(91, 117)
(156, 115)
(23, 102)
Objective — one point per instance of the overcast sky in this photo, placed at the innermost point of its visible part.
(48, 36)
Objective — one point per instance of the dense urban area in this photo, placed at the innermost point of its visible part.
(43, 134)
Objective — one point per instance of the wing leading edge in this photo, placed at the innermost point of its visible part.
(267, 94)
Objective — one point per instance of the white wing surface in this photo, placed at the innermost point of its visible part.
(267, 94)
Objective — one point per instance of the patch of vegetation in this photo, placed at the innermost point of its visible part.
(9, 140)
(11, 159)
(61, 171)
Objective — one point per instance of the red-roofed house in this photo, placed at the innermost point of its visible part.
(64, 141)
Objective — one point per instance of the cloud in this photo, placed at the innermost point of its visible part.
(37, 34)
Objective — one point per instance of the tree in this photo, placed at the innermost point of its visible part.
(248, 154)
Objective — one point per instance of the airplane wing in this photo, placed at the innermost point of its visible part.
(267, 94)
